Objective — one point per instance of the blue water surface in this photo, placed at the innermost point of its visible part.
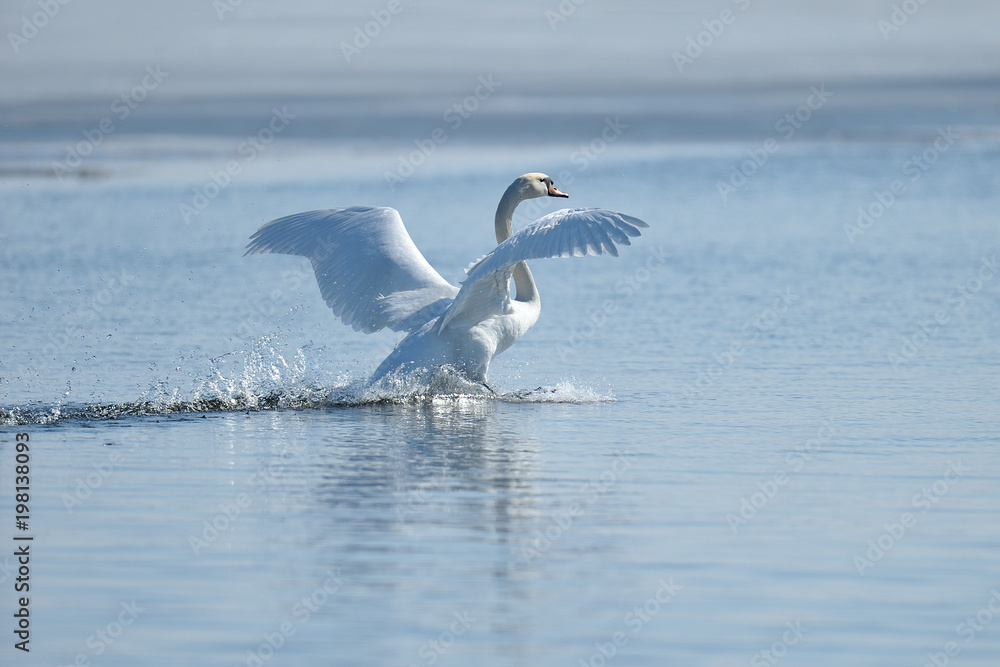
(767, 432)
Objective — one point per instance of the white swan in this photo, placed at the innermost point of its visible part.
(372, 275)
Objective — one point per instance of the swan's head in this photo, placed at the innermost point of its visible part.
(534, 185)
(524, 187)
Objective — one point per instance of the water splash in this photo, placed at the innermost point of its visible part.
(563, 392)
(261, 378)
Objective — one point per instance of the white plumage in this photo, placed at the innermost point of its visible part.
(368, 269)
(373, 276)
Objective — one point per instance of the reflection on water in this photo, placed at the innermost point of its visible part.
(396, 496)
(419, 459)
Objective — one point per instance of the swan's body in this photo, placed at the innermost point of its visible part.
(372, 275)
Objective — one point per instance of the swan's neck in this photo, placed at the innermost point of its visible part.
(523, 281)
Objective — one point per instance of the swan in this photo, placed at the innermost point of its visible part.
(373, 276)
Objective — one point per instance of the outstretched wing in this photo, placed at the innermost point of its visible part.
(368, 269)
(570, 232)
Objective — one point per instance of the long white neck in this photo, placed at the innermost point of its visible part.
(523, 281)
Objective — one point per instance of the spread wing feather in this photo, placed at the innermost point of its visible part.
(570, 232)
(368, 269)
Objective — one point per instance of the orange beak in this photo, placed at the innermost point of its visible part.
(556, 192)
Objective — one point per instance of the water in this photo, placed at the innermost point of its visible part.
(765, 427)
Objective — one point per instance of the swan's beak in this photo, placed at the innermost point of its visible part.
(556, 192)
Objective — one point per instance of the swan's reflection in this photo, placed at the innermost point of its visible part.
(427, 509)
(446, 463)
